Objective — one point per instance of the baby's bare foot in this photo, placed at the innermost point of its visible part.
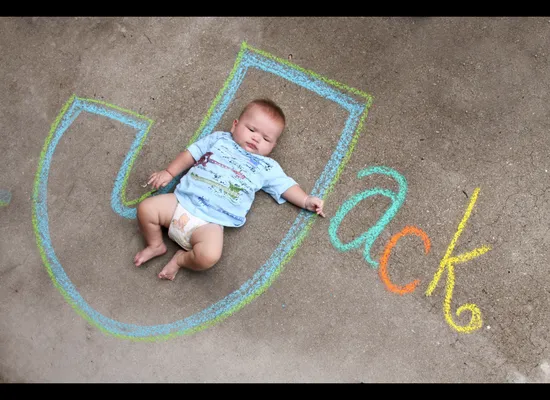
(149, 252)
(172, 268)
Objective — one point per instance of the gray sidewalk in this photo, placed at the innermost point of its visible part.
(433, 111)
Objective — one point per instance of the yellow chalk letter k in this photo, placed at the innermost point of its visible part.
(449, 262)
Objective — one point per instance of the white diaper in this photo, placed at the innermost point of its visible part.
(182, 226)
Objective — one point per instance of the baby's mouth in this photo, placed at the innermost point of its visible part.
(252, 146)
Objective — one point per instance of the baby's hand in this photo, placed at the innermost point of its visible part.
(314, 204)
(160, 179)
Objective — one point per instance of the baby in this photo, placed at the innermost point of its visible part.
(226, 169)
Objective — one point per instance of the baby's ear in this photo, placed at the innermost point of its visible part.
(235, 122)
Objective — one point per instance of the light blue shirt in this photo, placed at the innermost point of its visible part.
(220, 187)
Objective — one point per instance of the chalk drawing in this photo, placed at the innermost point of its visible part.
(248, 57)
(448, 262)
(383, 270)
(5, 198)
(369, 236)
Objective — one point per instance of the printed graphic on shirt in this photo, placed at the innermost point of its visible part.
(252, 160)
(258, 161)
(241, 158)
(229, 156)
(207, 157)
(233, 191)
(213, 206)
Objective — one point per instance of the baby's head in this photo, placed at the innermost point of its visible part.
(259, 126)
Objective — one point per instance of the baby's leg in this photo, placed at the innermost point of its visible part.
(152, 213)
(207, 242)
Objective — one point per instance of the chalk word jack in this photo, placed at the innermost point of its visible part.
(448, 262)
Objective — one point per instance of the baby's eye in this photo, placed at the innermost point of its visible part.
(251, 129)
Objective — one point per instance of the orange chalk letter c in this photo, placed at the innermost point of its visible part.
(383, 270)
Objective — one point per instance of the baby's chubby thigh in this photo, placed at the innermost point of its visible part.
(207, 243)
(158, 209)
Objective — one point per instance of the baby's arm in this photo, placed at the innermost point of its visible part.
(298, 197)
(181, 163)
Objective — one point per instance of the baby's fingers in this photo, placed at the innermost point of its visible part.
(152, 178)
(318, 207)
(155, 183)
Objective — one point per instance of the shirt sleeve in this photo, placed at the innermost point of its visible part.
(201, 146)
(277, 182)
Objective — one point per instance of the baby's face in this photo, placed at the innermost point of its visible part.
(257, 131)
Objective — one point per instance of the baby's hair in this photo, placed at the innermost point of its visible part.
(268, 105)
